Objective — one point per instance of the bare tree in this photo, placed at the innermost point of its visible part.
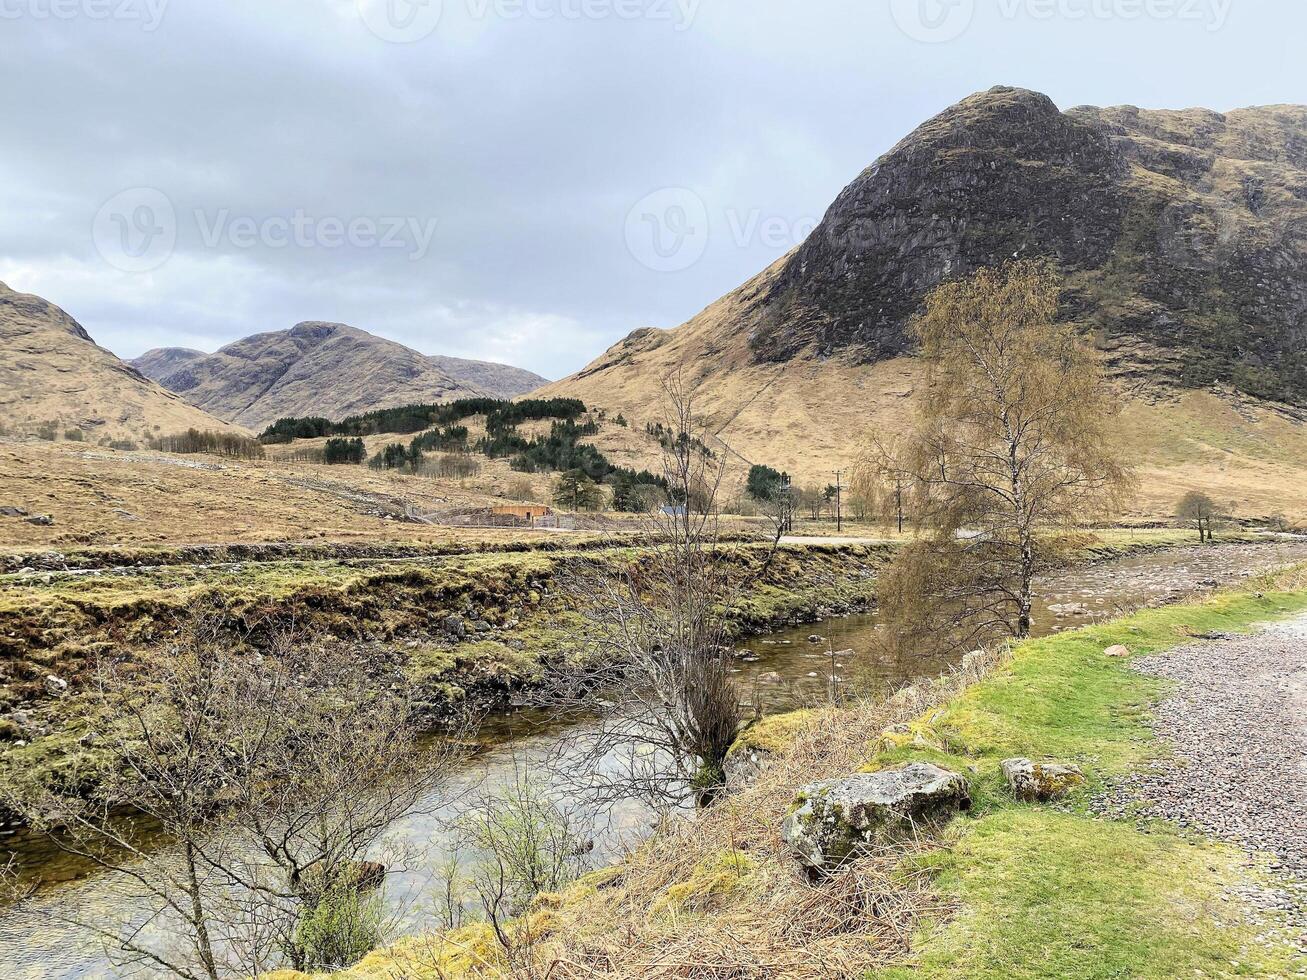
(1199, 509)
(883, 479)
(656, 659)
(1013, 442)
(240, 791)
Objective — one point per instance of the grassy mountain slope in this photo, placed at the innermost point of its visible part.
(51, 371)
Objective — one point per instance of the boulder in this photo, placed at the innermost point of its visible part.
(55, 685)
(8, 511)
(1117, 651)
(41, 520)
(1041, 781)
(835, 819)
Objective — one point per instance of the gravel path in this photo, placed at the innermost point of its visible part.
(1237, 723)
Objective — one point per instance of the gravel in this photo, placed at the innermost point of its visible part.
(1237, 724)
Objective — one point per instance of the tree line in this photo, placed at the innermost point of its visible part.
(407, 419)
(208, 441)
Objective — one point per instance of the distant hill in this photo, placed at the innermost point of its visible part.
(52, 372)
(1182, 236)
(322, 369)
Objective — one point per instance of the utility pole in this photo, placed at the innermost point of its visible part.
(839, 515)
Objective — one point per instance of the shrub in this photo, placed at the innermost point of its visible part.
(341, 929)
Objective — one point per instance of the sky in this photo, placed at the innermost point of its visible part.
(524, 181)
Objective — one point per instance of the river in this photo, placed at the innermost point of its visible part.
(778, 671)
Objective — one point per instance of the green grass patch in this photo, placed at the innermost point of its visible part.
(774, 732)
(1046, 894)
(1052, 891)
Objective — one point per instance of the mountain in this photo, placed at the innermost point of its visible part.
(52, 372)
(500, 380)
(163, 361)
(325, 369)
(1182, 236)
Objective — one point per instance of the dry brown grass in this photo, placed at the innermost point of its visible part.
(102, 497)
(777, 923)
(810, 418)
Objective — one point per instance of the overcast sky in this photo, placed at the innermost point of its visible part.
(516, 180)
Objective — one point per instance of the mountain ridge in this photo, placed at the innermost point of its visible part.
(1181, 236)
(323, 369)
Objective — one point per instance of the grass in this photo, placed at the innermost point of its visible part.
(1048, 894)
(1053, 891)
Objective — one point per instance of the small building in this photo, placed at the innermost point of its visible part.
(529, 513)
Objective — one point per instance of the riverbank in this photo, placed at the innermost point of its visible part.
(1008, 890)
(470, 631)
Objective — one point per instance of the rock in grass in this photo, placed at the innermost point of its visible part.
(1117, 651)
(1041, 781)
(835, 819)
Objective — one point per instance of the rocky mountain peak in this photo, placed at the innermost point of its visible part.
(1182, 235)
